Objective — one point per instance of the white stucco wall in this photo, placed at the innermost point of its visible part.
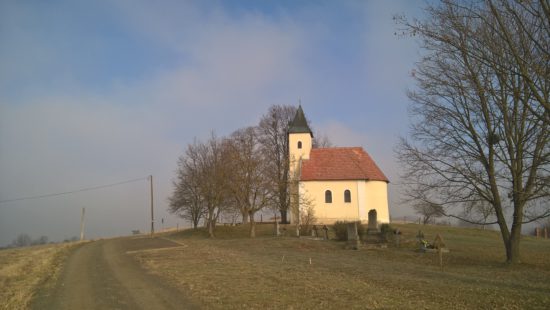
(365, 196)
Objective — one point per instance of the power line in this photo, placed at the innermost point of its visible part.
(75, 191)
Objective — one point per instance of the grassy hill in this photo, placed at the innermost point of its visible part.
(233, 271)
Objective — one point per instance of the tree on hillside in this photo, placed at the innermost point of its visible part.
(212, 161)
(201, 184)
(187, 200)
(248, 183)
(428, 210)
(273, 138)
(481, 132)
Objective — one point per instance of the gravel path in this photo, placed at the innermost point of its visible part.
(103, 275)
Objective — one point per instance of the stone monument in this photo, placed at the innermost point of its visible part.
(372, 227)
(353, 236)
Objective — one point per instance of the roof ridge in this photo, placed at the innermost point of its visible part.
(338, 147)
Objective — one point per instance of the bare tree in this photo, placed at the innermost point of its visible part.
(187, 200)
(481, 133)
(213, 163)
(249, 184)
(22, 240)
(428, 210)
(201, 185)
(273, 136)
(320, 140)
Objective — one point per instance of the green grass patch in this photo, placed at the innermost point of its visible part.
(234, 272)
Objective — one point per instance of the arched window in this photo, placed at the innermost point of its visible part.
(347, 196)
(299, 144)
(328, 196)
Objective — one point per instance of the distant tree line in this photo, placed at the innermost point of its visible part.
(237, 175)
(24, 240)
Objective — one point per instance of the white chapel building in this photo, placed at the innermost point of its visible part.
(339, 183)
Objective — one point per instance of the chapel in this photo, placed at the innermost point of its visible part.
(338, 183)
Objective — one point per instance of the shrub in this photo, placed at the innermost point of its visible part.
(341, 230)
(308, 219)
(386, 232)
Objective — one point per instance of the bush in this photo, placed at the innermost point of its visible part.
(341, 230)
(387, 232)
(308, 219)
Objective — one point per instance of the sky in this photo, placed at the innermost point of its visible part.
(99, 92)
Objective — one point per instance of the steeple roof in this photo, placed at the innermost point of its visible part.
(299, 124)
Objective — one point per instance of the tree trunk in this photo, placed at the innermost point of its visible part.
(252, 226)
(512, 250)
(211, 224)
(512, 246)
(283, 217)
(245, 217)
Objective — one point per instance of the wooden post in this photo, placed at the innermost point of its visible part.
(152, 216)
(82, 224)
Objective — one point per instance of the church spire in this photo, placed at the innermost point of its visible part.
(299, 124)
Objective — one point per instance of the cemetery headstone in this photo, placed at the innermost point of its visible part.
(353, 236)
(325, 230)
(373, 222)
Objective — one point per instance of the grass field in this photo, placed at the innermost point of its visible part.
(23, 270)
(233, 271)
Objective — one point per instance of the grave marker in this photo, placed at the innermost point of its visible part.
(373, 222)
(353, 236)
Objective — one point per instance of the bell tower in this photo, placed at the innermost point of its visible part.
(299, 141)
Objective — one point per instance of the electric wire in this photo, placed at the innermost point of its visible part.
(75, 191)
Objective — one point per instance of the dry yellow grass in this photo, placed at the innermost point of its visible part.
(234, 272)
(24, 270)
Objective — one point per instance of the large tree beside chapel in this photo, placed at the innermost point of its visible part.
(480, 111)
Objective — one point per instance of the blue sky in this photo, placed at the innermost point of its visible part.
(96, 92)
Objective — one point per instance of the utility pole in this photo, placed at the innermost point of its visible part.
(152, 216)
(82, 224)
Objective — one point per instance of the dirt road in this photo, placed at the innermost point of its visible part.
(104, 275)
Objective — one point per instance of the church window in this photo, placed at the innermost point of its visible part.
(299, 144)
(328, 196)
(347, 196)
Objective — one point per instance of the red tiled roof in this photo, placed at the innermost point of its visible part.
(340, 163)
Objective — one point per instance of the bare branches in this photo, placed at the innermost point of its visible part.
(481, 130)
(272, 131)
